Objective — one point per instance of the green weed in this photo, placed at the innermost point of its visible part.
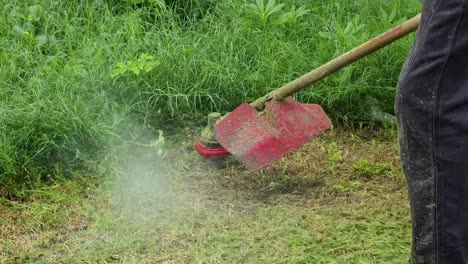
(265, 14)
(364, 168)
(144, 63)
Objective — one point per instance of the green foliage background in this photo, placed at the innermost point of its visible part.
(62, 113)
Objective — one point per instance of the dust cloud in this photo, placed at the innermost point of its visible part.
(145, 182)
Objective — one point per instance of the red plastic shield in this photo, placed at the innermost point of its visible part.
(260, 138)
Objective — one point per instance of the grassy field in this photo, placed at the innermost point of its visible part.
(101, 102)
(340, 199)
(77, 79)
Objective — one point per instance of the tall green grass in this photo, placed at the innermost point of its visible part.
(61, 110)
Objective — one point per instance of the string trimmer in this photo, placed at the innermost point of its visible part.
(265, 130)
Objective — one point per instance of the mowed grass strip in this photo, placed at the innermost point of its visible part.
(339, 199)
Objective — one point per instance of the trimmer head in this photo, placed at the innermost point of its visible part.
(260, 138)
(208, 147)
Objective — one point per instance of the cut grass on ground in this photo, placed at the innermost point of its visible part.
(339, 199)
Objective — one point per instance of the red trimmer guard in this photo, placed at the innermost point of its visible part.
(260, 138)
(213, 153)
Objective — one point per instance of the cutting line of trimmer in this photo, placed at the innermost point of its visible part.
(265, 130)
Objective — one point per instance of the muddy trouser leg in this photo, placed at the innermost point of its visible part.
(432, 110)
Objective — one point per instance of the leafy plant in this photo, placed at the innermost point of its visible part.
(351, 30)
(270, 14)
(294, 15)
(28, 24)
(392, 14)
(263, 14)
(350, 33)
(145, 63)
(335, 155)
(388, 17)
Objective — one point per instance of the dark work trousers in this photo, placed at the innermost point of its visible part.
(432, 110)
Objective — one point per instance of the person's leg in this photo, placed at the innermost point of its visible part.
(432, 109)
